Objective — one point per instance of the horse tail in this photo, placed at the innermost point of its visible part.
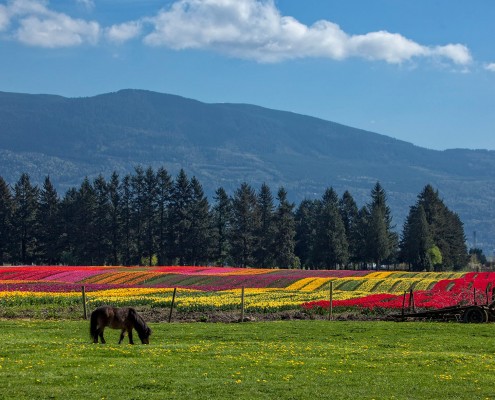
(93, 325)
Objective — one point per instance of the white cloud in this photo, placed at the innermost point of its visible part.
(457, 53)
(37, 25)
(57, 30)
(249, 29)
(123, 32)
(255, 29)
(4, 18)
(490, 67)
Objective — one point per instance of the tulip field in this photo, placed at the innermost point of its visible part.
(47, 352)
(218, 288)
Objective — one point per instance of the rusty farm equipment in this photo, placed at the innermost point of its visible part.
(468, 313)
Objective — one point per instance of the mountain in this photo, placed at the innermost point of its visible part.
(226, 144)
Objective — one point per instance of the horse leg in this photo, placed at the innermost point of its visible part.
(95, 337)
(101, 336)
(122, 334)
(130, 336)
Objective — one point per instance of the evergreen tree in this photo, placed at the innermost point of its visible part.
(49, 224)
(457, 258)
(381, 241)
(445, 228)
(6, 228)
(180, 218)
(349, 213)
(285, 232)
(264, 253)
(68, 238)
(138, 217)
(221, 216)
(102, 223)
(361, 237)
(149, 213)
(25, 219)
(163, 193)
(416, 240)
(114, 217)
(244, 226)
(86, 239)
(199, 235)
(126, 221)
(330, 245)
(305, 220)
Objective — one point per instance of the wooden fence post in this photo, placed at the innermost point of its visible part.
(172, 305)
(242, 304)
(403, 304)
(85, 310)
(330, 305)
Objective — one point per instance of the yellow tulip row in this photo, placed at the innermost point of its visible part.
(263, 300)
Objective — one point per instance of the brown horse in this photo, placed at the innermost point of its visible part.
(125, 318)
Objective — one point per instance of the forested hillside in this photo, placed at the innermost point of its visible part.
(227, 144)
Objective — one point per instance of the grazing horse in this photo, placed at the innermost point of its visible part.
(125, 318)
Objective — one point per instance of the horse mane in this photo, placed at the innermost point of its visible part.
(139, 324)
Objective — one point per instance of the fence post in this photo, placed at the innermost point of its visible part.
(172, 305)
(242, 304)
(330, 306)
(85, 310)
(403, 304)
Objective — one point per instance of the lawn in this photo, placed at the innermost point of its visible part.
(261, 360)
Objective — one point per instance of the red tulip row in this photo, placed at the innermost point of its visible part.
(471, 288)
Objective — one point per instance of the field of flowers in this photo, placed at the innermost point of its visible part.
(219, 288)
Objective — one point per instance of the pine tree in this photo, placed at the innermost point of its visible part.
(381, 241)
(199, 235)
(305, 220)
(180, 218)
(264, 253)
(68, 238)
(102, 223)
(446, 229)
(25, 219)
(163, 193)
(349, 213)
(49, 224)
(221, 217)
(361, 237)
(86, 240)
(114, 216)
(6, 228)
(149, 214)
(126, 221)
(244, 226)
(416, 241)
(285, 232)
(330, 244)
(138, 217)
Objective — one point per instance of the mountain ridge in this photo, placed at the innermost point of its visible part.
(224, 144)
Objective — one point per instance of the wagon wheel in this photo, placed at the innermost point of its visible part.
(475, 315)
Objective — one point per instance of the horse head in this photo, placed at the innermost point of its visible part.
(145, 334)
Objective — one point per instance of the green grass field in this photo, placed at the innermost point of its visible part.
(262, 360)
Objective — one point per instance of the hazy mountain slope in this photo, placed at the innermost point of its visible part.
(225, 144)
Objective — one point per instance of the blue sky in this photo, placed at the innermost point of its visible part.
(421, 71)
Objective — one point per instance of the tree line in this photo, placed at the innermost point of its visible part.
(150, 218)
